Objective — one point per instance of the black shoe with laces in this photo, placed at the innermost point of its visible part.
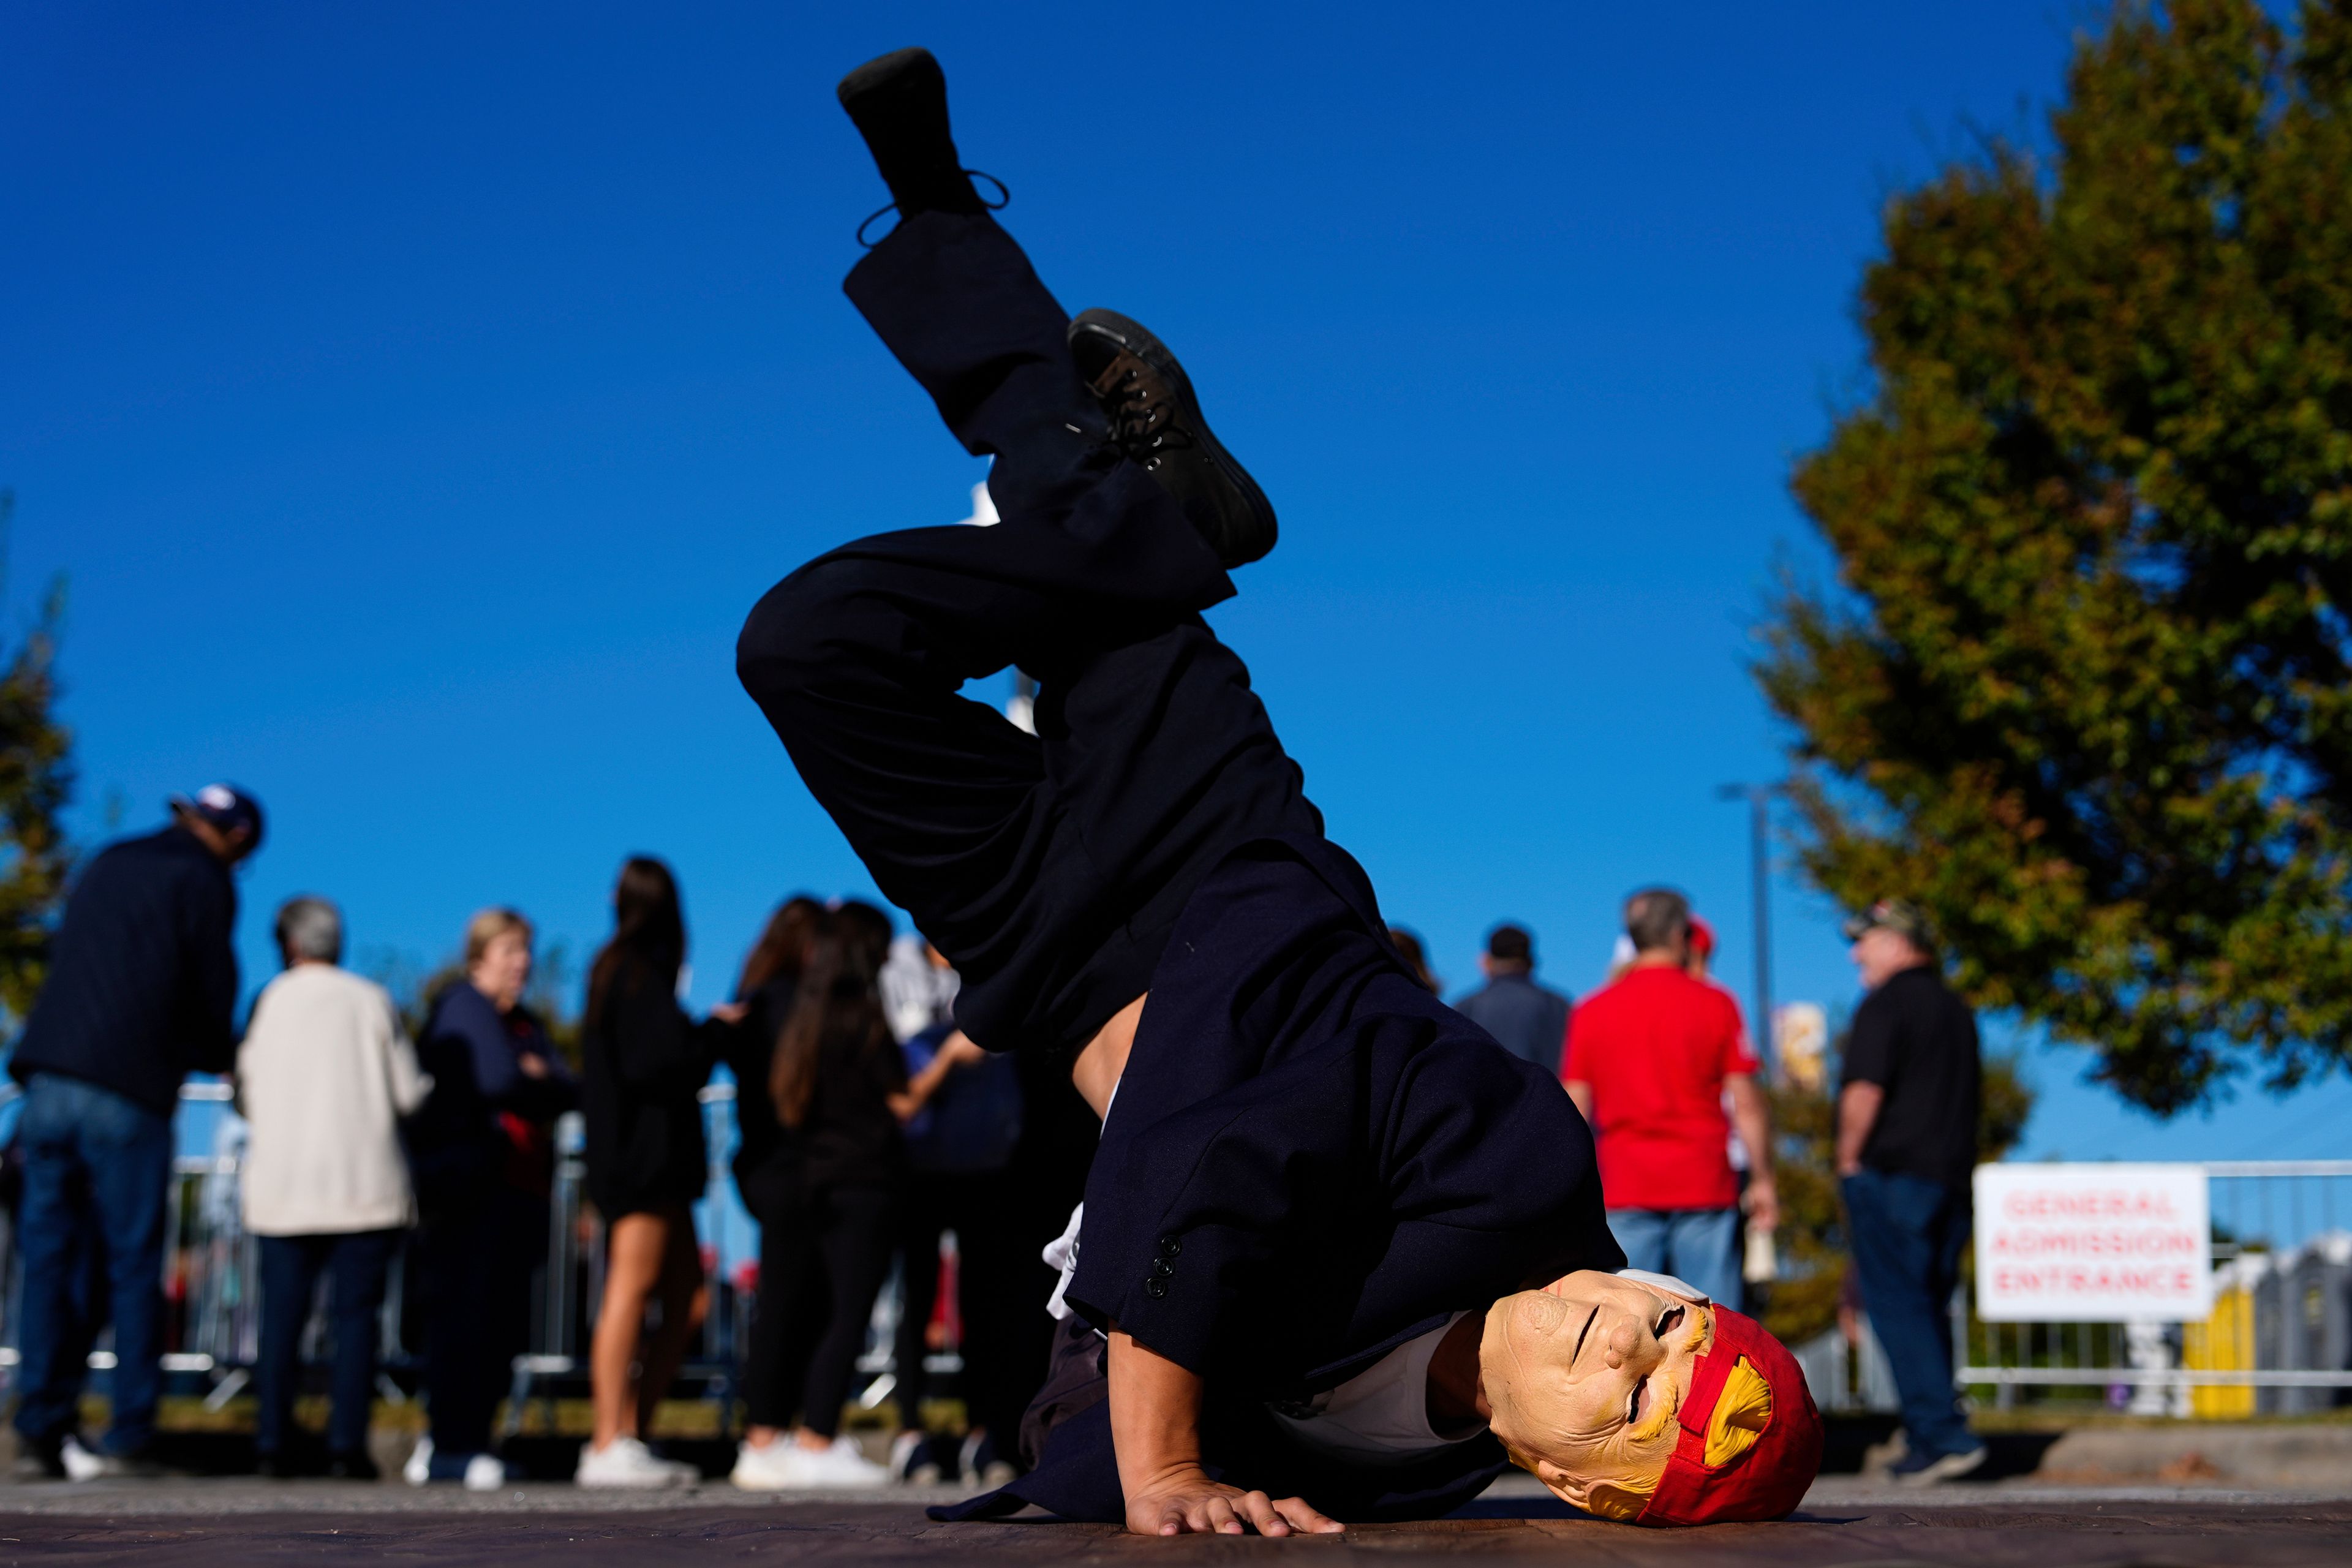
(1156, 421)
(900, 104)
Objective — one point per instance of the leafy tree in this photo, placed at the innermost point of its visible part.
(2086, 693)
(35, 779)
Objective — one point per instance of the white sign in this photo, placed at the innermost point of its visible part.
(2093, 1244)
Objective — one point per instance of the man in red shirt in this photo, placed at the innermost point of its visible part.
(1649, 1060)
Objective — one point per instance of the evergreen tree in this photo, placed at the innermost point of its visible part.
(35, 778)
(2086, 693)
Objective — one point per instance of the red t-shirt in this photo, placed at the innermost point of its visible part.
(1655, 1046)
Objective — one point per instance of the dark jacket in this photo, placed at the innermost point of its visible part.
(1310, 1160)
(1529, 1021)
(143, 978)
(972, 1124)
(848, 1136)
(487, 1120)
(642, 1063)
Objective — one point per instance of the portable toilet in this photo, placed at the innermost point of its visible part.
(2225, 1341)
(2319, 1318)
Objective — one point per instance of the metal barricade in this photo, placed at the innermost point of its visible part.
(2279, 1340)
(212, 1270)
(1848, 1378)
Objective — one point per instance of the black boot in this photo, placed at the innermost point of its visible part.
(900, 104)
(1158, 423)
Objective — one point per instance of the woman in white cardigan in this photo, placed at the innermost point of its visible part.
(324, 1077)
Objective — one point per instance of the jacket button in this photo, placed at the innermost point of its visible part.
(1170, 1247)
(1163, 1268)
(1155, 1289)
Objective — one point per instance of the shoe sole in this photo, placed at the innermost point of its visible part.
(1950, 1467)
(882, 67)
(1138, 340)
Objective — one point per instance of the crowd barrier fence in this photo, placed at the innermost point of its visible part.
(2278, 1341)
(212, 1272)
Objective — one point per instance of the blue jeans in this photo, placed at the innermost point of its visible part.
(1698, 1247)
(1906, 1233)
(355, 1265)
(98, 1168)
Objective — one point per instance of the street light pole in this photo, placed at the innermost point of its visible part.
(1759, 875)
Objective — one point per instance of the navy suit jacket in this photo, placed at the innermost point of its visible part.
(1310, 1161)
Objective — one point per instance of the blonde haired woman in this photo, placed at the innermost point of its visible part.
(483, 1153)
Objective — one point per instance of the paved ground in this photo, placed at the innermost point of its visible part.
(1846, 1523)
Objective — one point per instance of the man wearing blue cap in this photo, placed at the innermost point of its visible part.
(140, 993)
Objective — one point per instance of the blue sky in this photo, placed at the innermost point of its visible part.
(415, 399)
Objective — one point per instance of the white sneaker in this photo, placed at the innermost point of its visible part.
(626, 1462)
(81, 1464)
(841, 1466)
(485, 1473)
(418, 1470)
(768, 1469)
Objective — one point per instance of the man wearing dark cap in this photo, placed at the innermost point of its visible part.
(140, 993)
(1529, 1020)
(1907, 1149)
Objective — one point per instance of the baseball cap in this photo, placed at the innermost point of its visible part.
(1702, 937)
(226, 808)
(1751, 1439)
(1900, 916)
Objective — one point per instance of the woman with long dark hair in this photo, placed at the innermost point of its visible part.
(821, 1092)
(645, 1062)
(765, 1165)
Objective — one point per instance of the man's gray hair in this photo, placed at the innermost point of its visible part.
(310, 927)
(1657, 917)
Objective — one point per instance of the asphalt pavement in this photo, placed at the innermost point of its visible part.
(1846, 1522)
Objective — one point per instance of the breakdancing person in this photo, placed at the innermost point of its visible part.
(1341, 1256)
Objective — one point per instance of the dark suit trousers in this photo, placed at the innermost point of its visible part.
(1048, 868)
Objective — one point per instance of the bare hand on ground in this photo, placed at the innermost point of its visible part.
(1183, 1500)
